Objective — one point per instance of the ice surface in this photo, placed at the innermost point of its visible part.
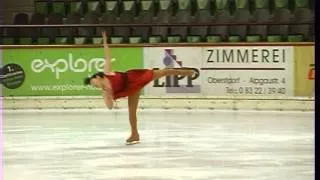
(175, 144)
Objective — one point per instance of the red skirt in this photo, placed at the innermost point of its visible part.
(136, 80)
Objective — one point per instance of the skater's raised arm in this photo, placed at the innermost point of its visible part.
(107, 58)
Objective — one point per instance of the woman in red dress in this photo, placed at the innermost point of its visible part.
(115, 85)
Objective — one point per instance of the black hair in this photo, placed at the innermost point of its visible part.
(87, 80)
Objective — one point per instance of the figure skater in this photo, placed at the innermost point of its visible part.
(115, 85)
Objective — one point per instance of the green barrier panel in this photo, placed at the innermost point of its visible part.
(60, 71)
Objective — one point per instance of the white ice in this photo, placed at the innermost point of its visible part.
(175, 144)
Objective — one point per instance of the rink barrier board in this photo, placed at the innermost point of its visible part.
(165, 102)
(302, 85)
(228, 102)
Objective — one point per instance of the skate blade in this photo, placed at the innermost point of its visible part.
(132, 142)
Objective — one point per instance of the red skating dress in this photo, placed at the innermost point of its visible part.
(127, 83)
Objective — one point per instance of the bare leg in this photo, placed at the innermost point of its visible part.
(167, 72)
(132, 106)
(134, 99)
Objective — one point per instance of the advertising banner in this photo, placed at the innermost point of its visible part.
(60, 72)
(177, 57)
(250, 71)
(256, 71)
(304, 71)
(221, 71)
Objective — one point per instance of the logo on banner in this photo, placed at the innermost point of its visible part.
(175, 83)
(68, 64)
(311, 72)
(12, 76)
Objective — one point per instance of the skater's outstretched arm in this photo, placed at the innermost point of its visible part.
(107, 58)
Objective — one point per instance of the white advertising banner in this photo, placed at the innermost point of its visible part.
(236, 70)
(261, 71)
